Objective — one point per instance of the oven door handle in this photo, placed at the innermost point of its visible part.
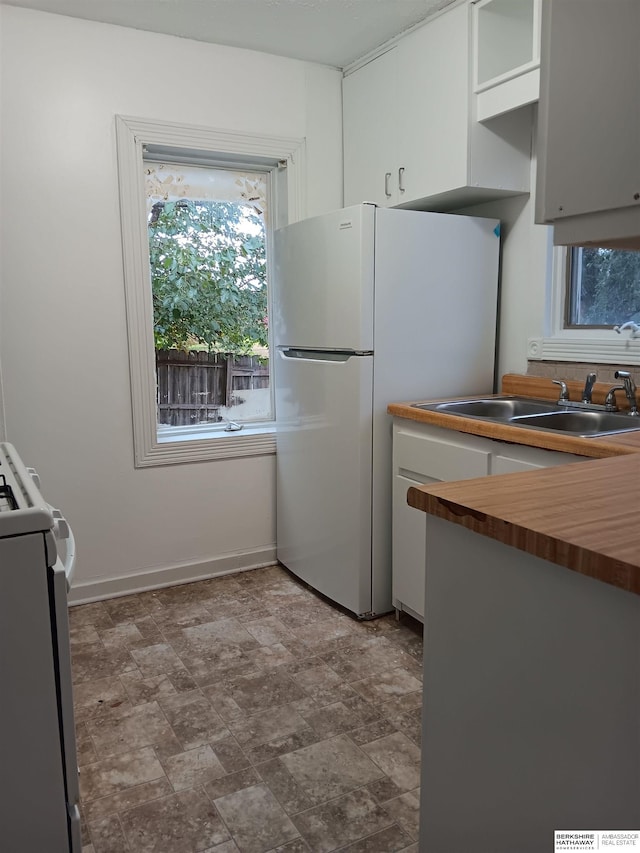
(70, 558)
(64, 533)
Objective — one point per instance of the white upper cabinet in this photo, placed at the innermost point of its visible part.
(432, 98)
(410, 134)
(369, 126)
(589, 122)
(506, 55)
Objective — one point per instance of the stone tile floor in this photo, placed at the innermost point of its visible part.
(244, 713)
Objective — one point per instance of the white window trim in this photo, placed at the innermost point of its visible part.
(597, 346)
(131, 135)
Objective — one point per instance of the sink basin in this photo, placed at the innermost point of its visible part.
(497, 409)
(583, 423)
(537, 414)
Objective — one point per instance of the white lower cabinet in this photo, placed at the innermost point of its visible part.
(427, 454)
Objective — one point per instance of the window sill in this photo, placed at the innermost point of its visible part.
(581, 346)
(175, 445)
(169, 434)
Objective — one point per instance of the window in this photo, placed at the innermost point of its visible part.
(193, 203)
(592, 290)
(208, 263)
(603, 288)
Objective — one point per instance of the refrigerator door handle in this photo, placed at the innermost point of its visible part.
(322, 355)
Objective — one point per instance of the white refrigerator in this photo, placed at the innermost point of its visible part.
(371, 306)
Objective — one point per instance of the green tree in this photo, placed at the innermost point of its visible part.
(208, 276)
(610, 286)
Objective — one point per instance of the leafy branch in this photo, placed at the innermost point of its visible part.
(610, 286)
(208, 276)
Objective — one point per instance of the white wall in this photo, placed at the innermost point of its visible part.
(64, 348)
(525, 275)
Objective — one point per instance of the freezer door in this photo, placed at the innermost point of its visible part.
(323, 281)
(324, 472)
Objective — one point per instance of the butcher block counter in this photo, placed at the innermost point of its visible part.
(531, 695)
(585, 516)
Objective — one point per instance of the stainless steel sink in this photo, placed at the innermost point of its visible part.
(583, 423)
(496, 409)
(537, 414)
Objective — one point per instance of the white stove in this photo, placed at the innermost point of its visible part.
(38, 769)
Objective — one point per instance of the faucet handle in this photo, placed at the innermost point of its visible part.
(610, 399)
(588, 387)
(564, 394)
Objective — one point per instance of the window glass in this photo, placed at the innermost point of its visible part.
(207, 229)
(603, 287)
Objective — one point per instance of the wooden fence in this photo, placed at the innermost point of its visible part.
(192, 386)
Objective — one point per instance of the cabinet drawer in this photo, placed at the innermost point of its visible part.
(441, 459)
(528, 459)
(507, 465)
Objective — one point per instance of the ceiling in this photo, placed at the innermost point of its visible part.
(333, 32)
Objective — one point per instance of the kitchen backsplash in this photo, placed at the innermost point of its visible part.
(578, 370)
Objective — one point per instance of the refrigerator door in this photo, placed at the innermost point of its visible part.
(435, 333)
(323, 281)
(324, 472)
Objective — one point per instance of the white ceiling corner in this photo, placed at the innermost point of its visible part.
(332, 32)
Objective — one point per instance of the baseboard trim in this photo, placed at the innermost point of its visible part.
(114, 587)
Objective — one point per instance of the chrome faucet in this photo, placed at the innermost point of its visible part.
(629, 387)
(585, 402)
(588, 388)
(564, 394)
(610, 404)
(610, 400)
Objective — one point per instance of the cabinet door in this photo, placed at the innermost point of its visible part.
(409, 547)
(419, 459)
(432, 103)
(589, 116)
(506, 55)
(369, 128)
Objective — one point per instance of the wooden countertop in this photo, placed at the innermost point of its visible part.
(584, 516)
